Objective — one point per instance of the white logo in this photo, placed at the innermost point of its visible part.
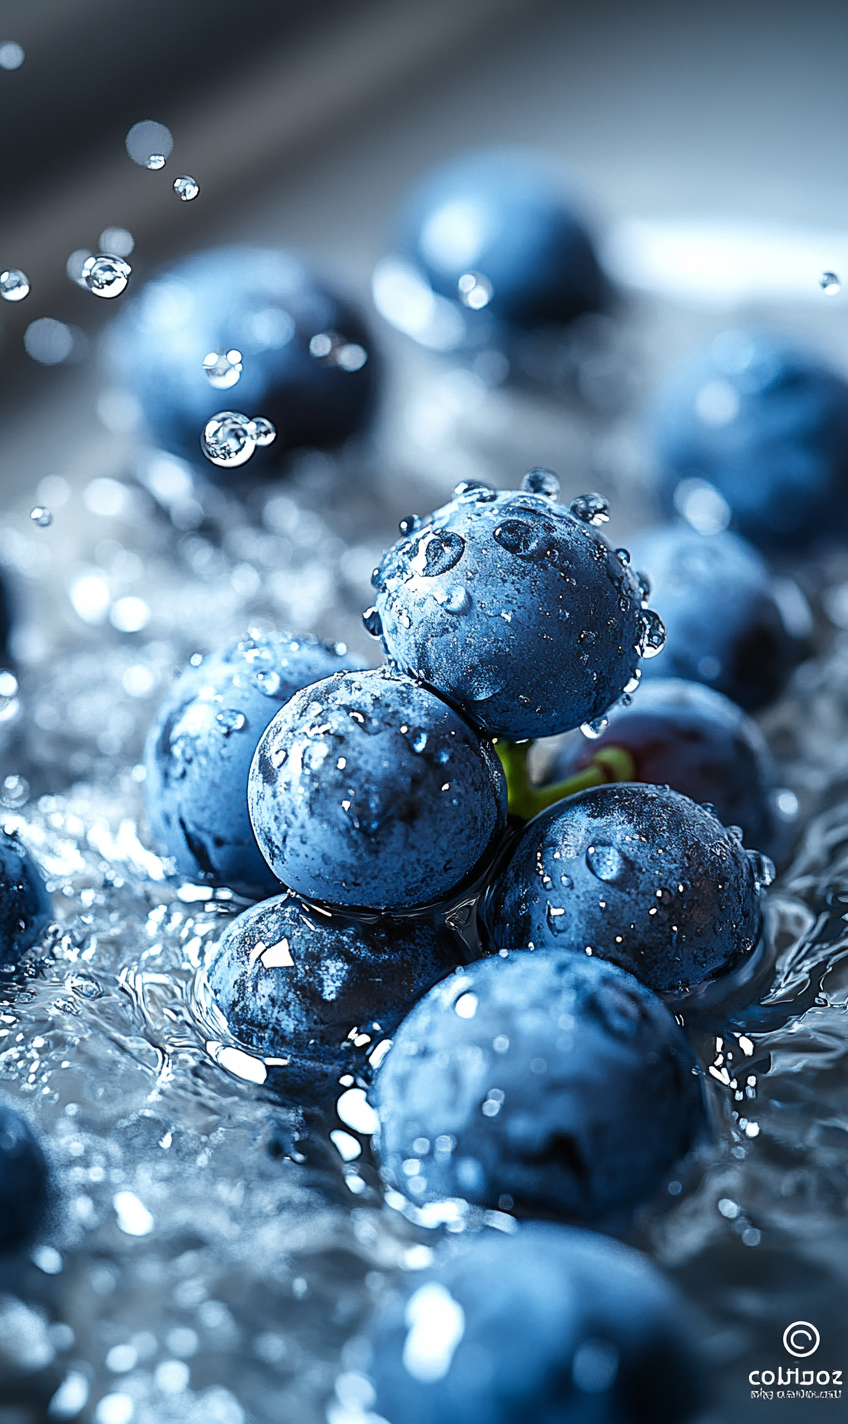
(801, 1339)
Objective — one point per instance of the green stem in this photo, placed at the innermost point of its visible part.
(610, 763)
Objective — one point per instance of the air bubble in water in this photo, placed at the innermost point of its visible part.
(830, 283)
(262, 431)
(106, 276)
(223, 368)
(41, 516)
(149, 144)
(652, 639)
(475, 290)
(186, 187)
(14, 285)
(227, 440)
(541, 481)
(591, 509)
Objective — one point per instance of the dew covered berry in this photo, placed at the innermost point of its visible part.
(635, 874)
(551, 1323)
(25, 907)
(369, 791)
(199, 750)
(24, 1176)
(514, 608)
(547, 1083)
(318, 992)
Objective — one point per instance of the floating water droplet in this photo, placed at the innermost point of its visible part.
(763, 869)
(186, 187)
(335, 350)
(595, 728)
(475, 291)
(105, 276)
(541, 481)
(606, 862)
(456, 600)
(262, 431)
(438, 551)
(409, 524)
(652, 638)
(12, 55)
(623, 556)
(227, 440)
(268, 681)
(223, 368)
(591, 509)
(231, 721)
(631, 686)
(149, 143)
(372, 622)
(14, 285)
(830, 283)
(41, 516)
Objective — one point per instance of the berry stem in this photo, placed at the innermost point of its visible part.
(609, 763)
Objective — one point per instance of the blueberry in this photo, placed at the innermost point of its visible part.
(635, 874)
(25, 906)
(318, 990)
(552, 1324)
(368, 791)
(24, 1187)
(498, 233)
(545, 1083)
(686, 736)
(268, 306)
(724, 623)
(514, 609)
(199, 750)
(765, 423)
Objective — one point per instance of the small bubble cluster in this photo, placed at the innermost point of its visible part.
(230, 439)
(223, 368)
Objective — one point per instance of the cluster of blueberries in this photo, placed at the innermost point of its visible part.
(497, 962)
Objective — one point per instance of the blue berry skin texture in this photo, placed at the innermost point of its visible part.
(635, 874)
(199, 750)
(25, 907)
(720, 607)
(24, 1181)
(318, 992)
(765, 423)
(515, 609)
(693, 739)
(265, 304)
(369, 792)
(545, 1083)
(497, 232)
(551, 1324)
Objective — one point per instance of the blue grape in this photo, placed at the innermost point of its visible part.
(368, 791)
(25, 907)
(199, 750)
(547, 1083)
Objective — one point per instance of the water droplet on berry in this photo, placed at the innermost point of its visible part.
(474, 491)
(591, 509)
(829, 283)
(14, 285)
(456, 600)
(623, 556)
(438, 552)
(595, 728)
(104, 275)
(417, 739)
(41, 516)
(763, 869)
(606, 862)
(227, 440)
(231, 721)
(223, 368)
(556, 918)
(186, 187)
(409, 524)
(372, 622)
(644, 588)
(484, 682)
(631, 686)
(652, 638)
(515, 535)
(541, 481)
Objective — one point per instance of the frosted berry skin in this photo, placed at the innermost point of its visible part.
(504, 215)
(724, 627)
(265, 303)
(25, 907)
(199, 750)
(515, 610)
(766, 423)
(691, 738)
(24, 1181)
(638, 875)
(299, 984)
(545, 1083)
(552, 1323)
(368, 791)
